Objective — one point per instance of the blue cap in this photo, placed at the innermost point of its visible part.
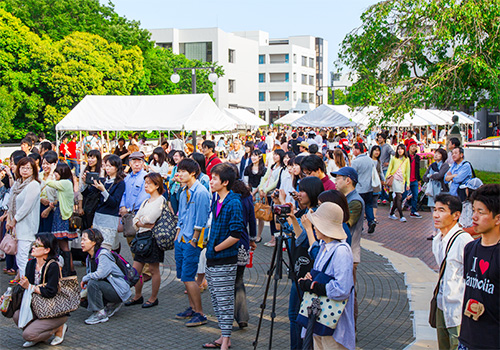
(348, 172)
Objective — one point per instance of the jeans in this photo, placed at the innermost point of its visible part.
(384, 196)
(368, 198)
(293, 312)
(101, 292)
(73, 164)
(414, 197)
(240, 297)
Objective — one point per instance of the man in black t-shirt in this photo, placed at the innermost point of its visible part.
(293, 144)
(480, 327)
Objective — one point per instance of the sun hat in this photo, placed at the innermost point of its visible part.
(304, 144)
(328, 220)
(472, 184)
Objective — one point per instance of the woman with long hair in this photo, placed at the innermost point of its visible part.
(107, 217)
(399, 168)
(90, 195)
(48, 195)
(174, 185)
(23, 215)
(255, 171)
(158, 162)
(377, 191)
(203, 177)
(246, 160)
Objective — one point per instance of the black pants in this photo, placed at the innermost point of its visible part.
(240, 297)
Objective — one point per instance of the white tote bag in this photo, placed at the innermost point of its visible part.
(25, 313)
(375, 177)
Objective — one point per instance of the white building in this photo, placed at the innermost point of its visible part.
(269, 76)
(291, 72)
(238, 88)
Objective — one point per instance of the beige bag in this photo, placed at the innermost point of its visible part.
(263, 210)
(128, 225)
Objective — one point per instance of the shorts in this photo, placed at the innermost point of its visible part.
(186, 261)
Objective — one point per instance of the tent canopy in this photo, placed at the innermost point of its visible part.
(160, 112)
(243, 117)
(326, 116)
(288, 118)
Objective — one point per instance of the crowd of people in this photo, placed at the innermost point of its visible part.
(222, 196)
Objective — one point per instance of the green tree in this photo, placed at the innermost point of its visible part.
(425, 53)
(340, 97)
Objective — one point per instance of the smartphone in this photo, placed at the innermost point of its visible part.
(89, 180)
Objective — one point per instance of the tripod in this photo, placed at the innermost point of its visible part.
(276, 267)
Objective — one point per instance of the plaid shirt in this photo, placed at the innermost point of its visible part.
(229, 220)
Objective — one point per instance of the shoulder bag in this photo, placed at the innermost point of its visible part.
(263, 210)
(9, 243)
(165, 228)
(390, 179)
(433, 306)
(66, 300)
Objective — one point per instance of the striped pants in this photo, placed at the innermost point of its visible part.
(220, 280)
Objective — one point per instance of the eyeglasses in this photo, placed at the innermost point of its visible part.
(37, 245)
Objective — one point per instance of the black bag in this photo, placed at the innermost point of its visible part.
(142, 244)
(89, 205)
(15, 303)
(131, 274)
(165, 228)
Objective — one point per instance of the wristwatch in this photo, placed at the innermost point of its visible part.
(194, 240)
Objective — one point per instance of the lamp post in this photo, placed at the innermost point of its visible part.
(175, 78)
(320, 92)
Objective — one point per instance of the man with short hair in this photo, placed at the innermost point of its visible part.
(26, 145)
(364, 165)
(313, 165)
(449, 244)
(414, 177)
(386, 152)
(293, 144)
(194, 208)
(177, 143)
(211, 159)
(44, 147)
(347, 178)
(452, 144)
(300, 138)
(460, 172)
(235, 155)
(311, 135)
(481, 304)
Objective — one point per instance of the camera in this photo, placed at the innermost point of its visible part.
(282, 210)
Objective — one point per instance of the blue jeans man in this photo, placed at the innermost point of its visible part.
(414, 196)
(368, 198)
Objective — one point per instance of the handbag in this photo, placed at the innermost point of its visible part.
(25, 313)
(390, 179)
(375, 177)
(66, 300)
(75, 222)
(433, 304)
(128, 225)
(142, 244)
(165, 228)
(263, 210)
(9, 243)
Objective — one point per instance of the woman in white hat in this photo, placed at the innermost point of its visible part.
(333, 263)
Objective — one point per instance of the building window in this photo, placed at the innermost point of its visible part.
(262, 96)
(287, 58)
(311, 98)
(294, 77)
(311, 62)
(231, 56)
(304, 97)
(231, 86)
(287, 96)
(262, 59)
(304, 61)
(311, 80)
(287, 77)
(165, 45)
(262, 77)
(294, 58)
(197, 51)
(295, 95)
(304, 79)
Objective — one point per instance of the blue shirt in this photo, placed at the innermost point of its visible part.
(134, 193)
(193, 213)
(464, 172)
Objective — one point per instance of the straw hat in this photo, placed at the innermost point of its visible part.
(304, 144)
(328, 219)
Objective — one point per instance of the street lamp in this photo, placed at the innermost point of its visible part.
(175, 78)
(320, 92)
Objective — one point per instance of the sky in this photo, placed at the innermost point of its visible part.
(328, 19)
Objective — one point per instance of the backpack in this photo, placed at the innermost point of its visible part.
(130, 273)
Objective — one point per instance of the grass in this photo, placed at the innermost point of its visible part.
(485, 176)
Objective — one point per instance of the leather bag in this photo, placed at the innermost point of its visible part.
(165, 228)
(66, 300)
(142, 244)
(128, 225)
(9, 243)
(263, 210)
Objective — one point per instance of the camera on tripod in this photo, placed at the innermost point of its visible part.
(282, 210)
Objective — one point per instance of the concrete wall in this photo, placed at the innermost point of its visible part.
(485, 159)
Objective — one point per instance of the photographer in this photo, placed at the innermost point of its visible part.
(309, 189)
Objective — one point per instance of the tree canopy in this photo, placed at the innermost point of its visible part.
(425, 53)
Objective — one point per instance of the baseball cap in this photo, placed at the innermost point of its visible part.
(348, 172)
(473, 184)
(136, 155)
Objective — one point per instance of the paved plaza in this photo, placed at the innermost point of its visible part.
(385, 320)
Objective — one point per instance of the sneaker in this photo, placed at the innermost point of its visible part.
(403, 219)
(112, 308)
(416, 215)
(384, 202)
(97, 317)
(188, 313)
(393, 217)
(371, 227)
(197, 320)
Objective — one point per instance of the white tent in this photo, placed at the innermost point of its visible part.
(243, 117)
(160, 112)
(288, 118)
(326, 116)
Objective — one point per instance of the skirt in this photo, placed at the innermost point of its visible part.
(398, 186)
(156, 256)
(60, 227)
(45, 223)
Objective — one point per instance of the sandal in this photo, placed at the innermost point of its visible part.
(14, 281)
(11, 272)
(212, 345)
(4, 270)
(258, 240)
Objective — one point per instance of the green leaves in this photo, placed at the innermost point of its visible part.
(422, 53)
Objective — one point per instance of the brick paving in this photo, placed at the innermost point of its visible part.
(407, 238)
(385, 321)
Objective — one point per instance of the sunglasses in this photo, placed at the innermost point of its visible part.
(37, 245)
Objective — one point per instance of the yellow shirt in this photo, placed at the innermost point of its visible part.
(394, 164)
